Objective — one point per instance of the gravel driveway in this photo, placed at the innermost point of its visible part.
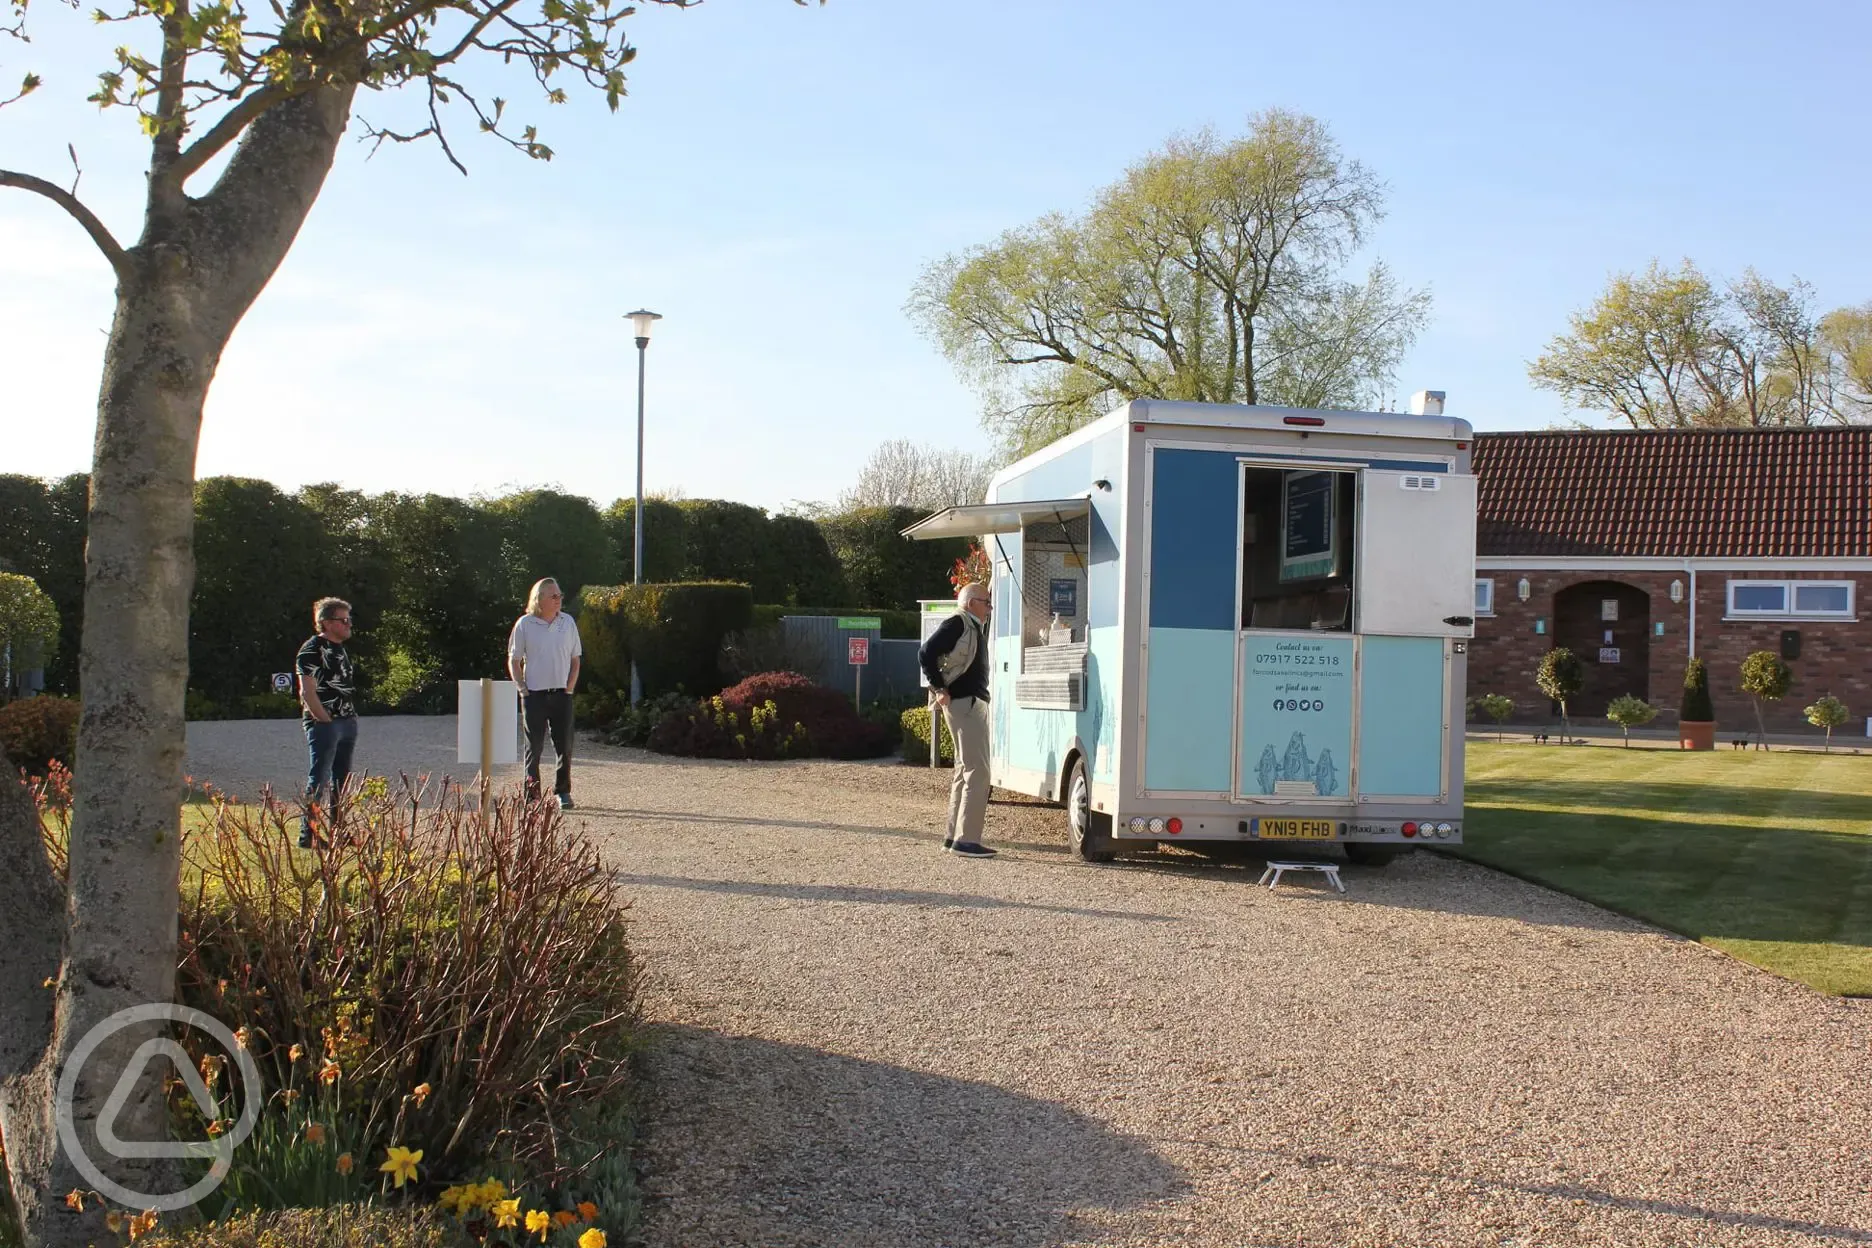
(868, 1042)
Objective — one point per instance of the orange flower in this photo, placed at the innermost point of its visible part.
(114, 1222)
(421, 1094)
(242, 1035)
(295, 1053)
(588, 1211)
(329, 1072)
(564, 1217)
(344, 1163)
(289, 1095)
(315, 1133)
(74, 1199)
(142, 1224)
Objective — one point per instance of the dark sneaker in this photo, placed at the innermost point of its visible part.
(971, 849)
(565, 801)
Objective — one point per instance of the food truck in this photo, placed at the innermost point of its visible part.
(1232, 623)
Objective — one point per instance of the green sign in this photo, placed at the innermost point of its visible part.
(860, 621)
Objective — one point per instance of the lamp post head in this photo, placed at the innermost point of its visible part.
(640, 321)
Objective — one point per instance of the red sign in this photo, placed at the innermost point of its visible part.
(858, 650)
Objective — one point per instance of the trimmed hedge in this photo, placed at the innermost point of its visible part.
(673, 631)
(916, 727)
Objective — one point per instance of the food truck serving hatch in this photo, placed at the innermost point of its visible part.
(980, 518)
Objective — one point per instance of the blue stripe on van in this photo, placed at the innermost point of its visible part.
(1193, 539)
(1189, 711)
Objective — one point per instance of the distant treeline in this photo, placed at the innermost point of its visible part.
(436, 582)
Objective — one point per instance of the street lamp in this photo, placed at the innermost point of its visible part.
(640, 321)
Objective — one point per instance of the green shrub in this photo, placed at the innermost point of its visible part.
(470, 986)
(1828, 713)
(413, 685)
(633, 725)
(1629, 712)
(673, 631)
(360, 1227)
(1497, 707)
(270, 705)
(834, 728)
(29, 626)
(1560, 677)
(916, 742)
(39, 731)
(1765, 678)
(1696, 707)
(710, 729)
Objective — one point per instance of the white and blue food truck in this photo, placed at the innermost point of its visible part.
(1225, 623)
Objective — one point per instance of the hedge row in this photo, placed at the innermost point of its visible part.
(436, 582)
(674, 633)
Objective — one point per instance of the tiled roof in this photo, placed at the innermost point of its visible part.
(1717, 493)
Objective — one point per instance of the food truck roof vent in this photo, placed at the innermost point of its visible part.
(1427, 403)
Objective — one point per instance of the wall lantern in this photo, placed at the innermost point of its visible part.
(1676, 591)
(1523, 590)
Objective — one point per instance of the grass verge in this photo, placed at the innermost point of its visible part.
(1766, 856)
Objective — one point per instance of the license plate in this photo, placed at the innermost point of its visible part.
(1297, 829)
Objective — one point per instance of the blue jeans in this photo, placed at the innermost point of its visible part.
(330, 746)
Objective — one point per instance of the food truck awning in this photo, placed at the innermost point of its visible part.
(981, 518)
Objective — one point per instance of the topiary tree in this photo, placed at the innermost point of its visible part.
(1560, 677)
(1696, 707)
(1497, 708)
(1765, 678)
(1629, 712)
(1828, 713)
(29, 630)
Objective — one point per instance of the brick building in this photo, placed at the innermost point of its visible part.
(1638, 549)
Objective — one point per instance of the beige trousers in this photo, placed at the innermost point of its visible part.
(968, 792)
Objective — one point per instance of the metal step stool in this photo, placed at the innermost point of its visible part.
(1272, 876)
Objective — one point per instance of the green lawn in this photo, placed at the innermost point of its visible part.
(1766, 856)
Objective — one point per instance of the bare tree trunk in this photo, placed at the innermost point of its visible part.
(196, 271)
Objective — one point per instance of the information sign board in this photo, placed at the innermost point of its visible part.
(860, 621)
(858, 650)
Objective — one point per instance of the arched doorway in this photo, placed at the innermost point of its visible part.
(1608, 625)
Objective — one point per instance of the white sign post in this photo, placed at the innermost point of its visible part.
(858, 653)
(480, 707)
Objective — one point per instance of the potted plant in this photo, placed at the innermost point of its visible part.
(1828, 713)
(1765, 678)
(1696, 716)
(1560, 677)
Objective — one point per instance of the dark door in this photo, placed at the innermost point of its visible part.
(1608, 625)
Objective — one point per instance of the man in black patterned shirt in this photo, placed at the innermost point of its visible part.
(328, 710)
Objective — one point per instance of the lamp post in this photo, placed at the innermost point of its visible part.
(640, 321)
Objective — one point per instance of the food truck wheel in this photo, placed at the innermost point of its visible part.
(1089, 830)
(1370, 855)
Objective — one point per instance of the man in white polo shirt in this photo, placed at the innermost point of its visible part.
(543, 658)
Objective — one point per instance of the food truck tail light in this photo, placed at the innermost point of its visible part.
(1174, 826)
(1157, 825)
(1139, 823)
(1409, 829)
(1303, 420)
(1444, 829)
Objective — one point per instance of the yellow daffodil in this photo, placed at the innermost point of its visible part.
(344, 1163)
(329, 1072)
(295, 1053)
(400, 1164)
(588, 1211)
(506, 1213)
(142, 1224)
(537, 1223)
(451, 1199)
(593, 1238)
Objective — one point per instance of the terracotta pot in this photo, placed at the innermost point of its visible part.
(1695, 734)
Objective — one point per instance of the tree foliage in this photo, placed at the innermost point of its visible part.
(666, 548)
(1628, 712)
(882, 569)
(1765, 678)
(550, 533)
(1696, 707)
(901, 473)
(1213, 270)
(42, 535)
(1560, 676)
(29, 630)
(1674, 350)
(258, 564)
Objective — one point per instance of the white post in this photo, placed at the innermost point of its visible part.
(935, 728)
(487, 747)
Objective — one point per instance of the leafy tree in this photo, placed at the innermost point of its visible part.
(1498, 708)
(728, 541)
(258, 560)
(882, 568)
(666, 546)
(29, 630)
(1212, 270)
(1672, 350)
(353, 565)
(42, 535)
(453, 608)
(1696, 707)
(254, 99)
(558, 535)
(1765, 678)
(1828, 713)
(1560, 677)
(813, 577)
(1630, 712)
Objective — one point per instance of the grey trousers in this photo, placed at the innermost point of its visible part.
(968, 792)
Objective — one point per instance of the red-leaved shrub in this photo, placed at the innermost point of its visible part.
(39, 731)
(832, 724)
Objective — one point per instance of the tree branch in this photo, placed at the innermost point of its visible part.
(223, 132)
(112, 249)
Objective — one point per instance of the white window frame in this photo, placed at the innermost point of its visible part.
(1486, 607)
(1788, 611)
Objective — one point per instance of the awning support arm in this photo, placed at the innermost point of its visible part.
(1072, 545)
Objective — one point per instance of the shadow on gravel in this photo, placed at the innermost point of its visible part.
(877, 896)
(753, 1142)
(804, 825)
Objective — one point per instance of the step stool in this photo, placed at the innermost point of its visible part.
(1272, 876)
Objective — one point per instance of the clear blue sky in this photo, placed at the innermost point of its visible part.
(778, 177)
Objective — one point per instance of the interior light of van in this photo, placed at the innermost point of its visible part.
(1174, 826)
(1409, 829)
